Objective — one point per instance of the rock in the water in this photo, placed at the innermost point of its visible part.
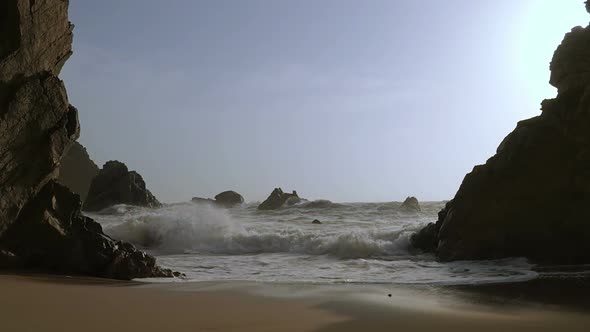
(53, 235)
(278, 198)
(316, 222)
(410, 204)
(229, 199)
(115, 184)
(76, 170)
(531, 199)
(201, 200)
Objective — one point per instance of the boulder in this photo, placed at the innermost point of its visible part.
(53, 235)
(115, 184)
(411, 204)
(229, 199)
(278, 198)
(530, 199)
(316, 222)
(76, 170)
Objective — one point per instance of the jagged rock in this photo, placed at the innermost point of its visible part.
(37, 123)
(278, 198)
(410, 204)
(115, 184)
(77, 170)
(229, 199)
(53, 235)
(531, 199)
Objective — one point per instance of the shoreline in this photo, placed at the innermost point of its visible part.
(57, 303)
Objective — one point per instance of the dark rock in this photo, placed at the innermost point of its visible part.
(76, 170)
(115, 184)
(410, 204)
(37, 123)
(316, 222)
(278, 198)
(229, 199)
(53, 235)
(531, 199)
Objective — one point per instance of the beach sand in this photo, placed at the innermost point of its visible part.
(46, 303)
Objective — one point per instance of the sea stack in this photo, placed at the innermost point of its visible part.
(41, 226)
(77, 170)
(115, 184)
(278, 198)
(411, 204)
(531, 199)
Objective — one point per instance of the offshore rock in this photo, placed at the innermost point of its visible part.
(115, 184)
(278, 198)
(229, 199)
(411, 204)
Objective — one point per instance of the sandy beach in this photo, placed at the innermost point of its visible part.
(42, 303)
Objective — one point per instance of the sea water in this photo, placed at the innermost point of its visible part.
(356, 243)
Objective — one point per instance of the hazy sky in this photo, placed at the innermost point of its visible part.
(365, 100)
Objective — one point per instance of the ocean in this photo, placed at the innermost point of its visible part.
(357, 243)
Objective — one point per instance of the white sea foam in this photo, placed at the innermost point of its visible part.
(356, 242)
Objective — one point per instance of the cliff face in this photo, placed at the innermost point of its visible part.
(77, 170)
(41, 226)
(37, 123)
(531, 199)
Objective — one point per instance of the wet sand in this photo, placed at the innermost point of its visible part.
(45, 303)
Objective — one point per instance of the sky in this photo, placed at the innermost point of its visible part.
(365, 100)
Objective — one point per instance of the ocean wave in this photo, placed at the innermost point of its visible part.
(207, 229)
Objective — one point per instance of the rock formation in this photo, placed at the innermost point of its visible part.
(225, 199)
(316, 222)
(77, 170)
(229, 199)
(411, 204)
(531, 199)
(41, 226)
(115, 184)
(278, 198)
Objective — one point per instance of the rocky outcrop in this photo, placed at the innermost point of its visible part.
(229, 199)
(226, 199)
(41, 226)
(37, 123)
(77, 170)
(115, 184)
(411, 204)
(531, 199)
(278, 198)
(52, 234)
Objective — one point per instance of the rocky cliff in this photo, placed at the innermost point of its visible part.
(531, 199)
(77, 170)
(41, 226)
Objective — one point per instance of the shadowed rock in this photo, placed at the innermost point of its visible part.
(41, 226)
(115, 184)
(229, 199)
(411, 204)
(77, 170)
(531, 199)
(53, 235)
(278, 198)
